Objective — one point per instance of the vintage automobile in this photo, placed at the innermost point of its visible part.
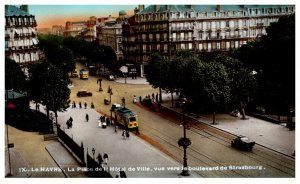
(83, 94)
(243, 143)
(152, 104)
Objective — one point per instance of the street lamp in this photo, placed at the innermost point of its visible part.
(93, 151)
(184, 142)
(100, 87)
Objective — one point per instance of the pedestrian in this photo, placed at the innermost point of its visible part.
(80, 105)
(112, 122)
(71, 119)
(107, 121)
(87, 117)
(85, 105)
(123, 102)
(156, 97)
(92, 105)
(124, 134)
(116, 129)
(105, 157)
(68, 124)
(38, 107)
(134, 99)
(99, 158)
(122, 174)
(140, 99)
(74, 104)
(127, 134)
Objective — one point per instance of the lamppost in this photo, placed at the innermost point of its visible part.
(93, 151)
(184, 142)
(100, 87)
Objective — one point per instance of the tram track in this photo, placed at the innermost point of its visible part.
(261, 154)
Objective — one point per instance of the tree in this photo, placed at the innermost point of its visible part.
(241, 81)
(36, 82)
(273, 57)
(156, 72)
(57, 54)
(55, 93)
(14, 77)
(212, 84)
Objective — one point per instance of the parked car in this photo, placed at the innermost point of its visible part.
(243, 143)
(83, 94)
(152, 104)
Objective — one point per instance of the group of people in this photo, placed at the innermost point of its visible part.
(102, 160)
(80, 105)
(105, 119)
(125, 134)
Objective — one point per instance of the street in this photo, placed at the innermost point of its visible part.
(209, 148)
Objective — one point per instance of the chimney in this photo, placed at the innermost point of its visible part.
(157, 7)
(219, 7)
(24, 8)
(141, 7)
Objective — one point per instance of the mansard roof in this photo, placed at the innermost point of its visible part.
(11, 10)
(202, 8)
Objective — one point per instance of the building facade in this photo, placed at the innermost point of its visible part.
(169, 28)
(110, 34)
(21, 36)
(74, 28)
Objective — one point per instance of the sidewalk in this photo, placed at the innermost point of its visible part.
(268, 134)
(136, 157)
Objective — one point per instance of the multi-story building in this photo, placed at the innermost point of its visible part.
(58, 30)
(21, 36)
(110, 34)
(74, 28)
(168, 28)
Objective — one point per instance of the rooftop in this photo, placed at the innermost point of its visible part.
(11, 10)
(202, 8)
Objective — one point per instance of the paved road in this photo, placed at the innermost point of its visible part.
(137, 157)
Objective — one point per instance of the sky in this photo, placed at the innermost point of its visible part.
(48, 15)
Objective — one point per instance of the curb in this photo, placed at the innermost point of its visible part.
(173, 111)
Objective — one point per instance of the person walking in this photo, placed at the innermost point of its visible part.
(105, 157)
(124, 134)
(85, 105)
(127, 134)
(100, 160)
(87, 117)
(123, 102)
(116, 129)
(80, 105)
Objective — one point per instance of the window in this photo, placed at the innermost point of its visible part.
(200, 46)
(150, 37)
(190, 46)
(182, 46)
(174, 36)
(218, 45)
(227, 23)
(165, 47)
(181, 36)
(157, 37)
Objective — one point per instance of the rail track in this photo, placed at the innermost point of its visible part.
(275, 164)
